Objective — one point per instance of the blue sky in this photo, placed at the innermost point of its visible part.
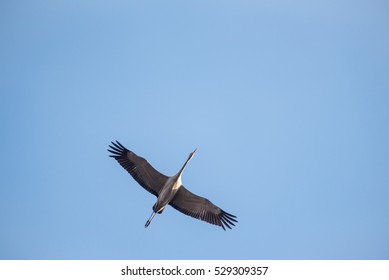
(287, 102)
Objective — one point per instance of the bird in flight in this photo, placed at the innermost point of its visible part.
(169, 190)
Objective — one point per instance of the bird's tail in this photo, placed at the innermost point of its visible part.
(150, 219)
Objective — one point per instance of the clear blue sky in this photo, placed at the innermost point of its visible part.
(287, 102)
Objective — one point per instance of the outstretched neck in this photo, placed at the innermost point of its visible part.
(179, 174)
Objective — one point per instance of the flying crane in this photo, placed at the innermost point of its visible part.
(169, 190)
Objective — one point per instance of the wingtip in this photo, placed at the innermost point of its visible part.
(228, 220)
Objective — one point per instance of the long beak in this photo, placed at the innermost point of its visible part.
(191, 155)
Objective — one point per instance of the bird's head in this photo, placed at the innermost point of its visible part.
(191, 155)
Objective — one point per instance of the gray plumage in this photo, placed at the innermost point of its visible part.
(169, 190)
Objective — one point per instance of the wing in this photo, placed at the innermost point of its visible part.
(139, 168)
(201, 208)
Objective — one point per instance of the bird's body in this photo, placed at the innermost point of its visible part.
(169, 190)
(167, 193)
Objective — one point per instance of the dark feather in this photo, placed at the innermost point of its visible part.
(201, 208)
(139, 168)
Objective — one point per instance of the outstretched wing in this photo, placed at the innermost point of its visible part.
(201, 208)
(139, 168)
